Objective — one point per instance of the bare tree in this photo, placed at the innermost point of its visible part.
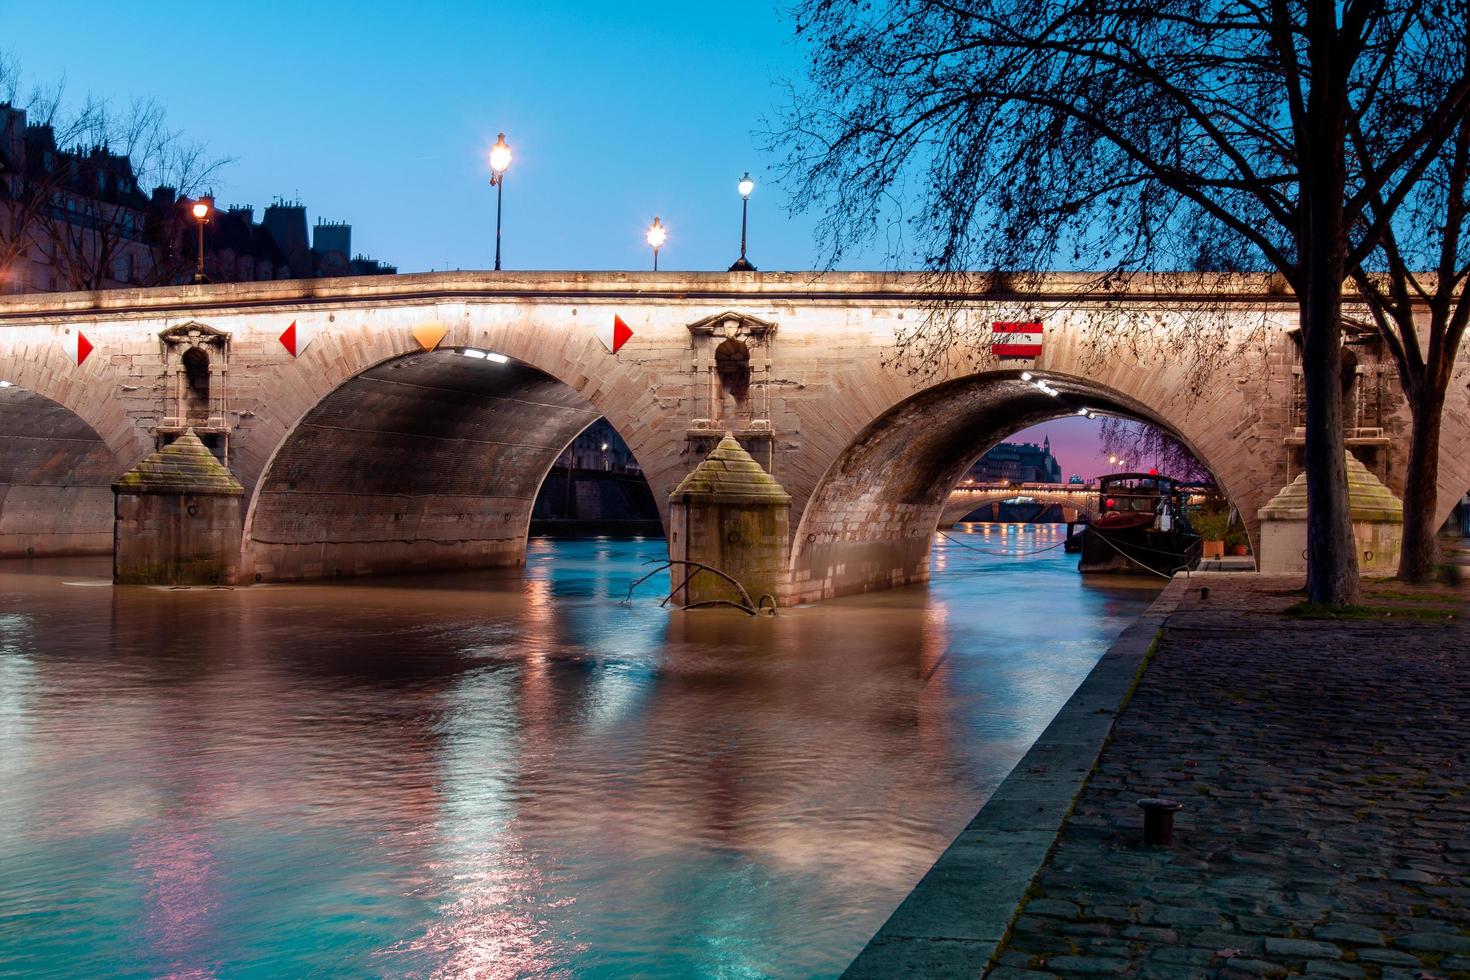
(1149, 445)
(101, 214)
(1416, 297)
(1127, 137)
(80, 201)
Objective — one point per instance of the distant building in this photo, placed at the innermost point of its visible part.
(236, 249)
(75, 219)
(1076, 478)
(331, 250)
(597, 480)
(69, 218)
(1018, 462)
(599, 447)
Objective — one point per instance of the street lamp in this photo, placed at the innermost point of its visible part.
(656, 237)
(499, 161)
(745, 186)
(201, 210)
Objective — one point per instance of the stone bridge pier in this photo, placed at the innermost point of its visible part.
(372, 434)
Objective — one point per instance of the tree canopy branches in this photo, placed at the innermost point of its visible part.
(1037, 131)
(1137, 139)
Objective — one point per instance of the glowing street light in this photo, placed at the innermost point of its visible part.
(499, 161)
(745, 186)
(201, 210)
(657, 235)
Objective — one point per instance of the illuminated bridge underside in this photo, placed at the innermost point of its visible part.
(55, 480)
(428, 462)
(871, 522)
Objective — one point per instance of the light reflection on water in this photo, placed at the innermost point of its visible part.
(496, 776)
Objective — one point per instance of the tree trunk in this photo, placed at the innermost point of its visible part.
(1332, 554)
(1420, 551)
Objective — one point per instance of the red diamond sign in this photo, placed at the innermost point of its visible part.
(78, 347)
(614, 335)
(295, 339)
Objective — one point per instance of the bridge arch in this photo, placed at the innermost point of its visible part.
(869, 521)
(33, 359)
(56, 475)
(432, 459)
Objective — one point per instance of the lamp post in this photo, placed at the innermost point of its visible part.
(499, 161)
(657, 235)
(745, 186)
(201, 210)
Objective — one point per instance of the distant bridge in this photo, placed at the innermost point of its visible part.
(1076, 500)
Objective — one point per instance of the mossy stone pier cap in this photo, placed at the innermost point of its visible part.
(730, 475)
(184, 466)
(1369, 500)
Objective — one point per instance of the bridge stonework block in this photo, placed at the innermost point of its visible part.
(368, 454)
(177, 519)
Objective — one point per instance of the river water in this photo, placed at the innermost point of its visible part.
(493, 775)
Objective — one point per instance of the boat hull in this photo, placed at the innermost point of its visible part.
(1137, 551)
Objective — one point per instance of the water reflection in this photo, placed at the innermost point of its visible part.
(505, 775)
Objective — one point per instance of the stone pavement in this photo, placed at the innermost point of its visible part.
(1324, 768)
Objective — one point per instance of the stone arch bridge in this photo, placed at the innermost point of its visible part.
(385, 444)
(965, 499)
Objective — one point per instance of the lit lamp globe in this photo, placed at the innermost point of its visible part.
(200, 210)
(745, 186)
(499, 156)
(657, 235)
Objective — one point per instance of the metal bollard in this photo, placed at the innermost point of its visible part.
(1158, 821)
(1204, 592)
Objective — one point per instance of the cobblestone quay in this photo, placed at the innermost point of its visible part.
(1323, 767)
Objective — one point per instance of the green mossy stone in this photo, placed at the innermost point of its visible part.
(1369, 500)
(184, 466)
(730, 474)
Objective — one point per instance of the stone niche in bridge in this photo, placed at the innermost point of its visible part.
(196, 368)
(177, 519)
(732, 383)
(729, 513)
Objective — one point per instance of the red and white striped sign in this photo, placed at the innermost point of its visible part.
(77, 348)
(1020, 340)
(614, 335)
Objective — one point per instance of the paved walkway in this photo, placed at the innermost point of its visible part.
(1324, 768)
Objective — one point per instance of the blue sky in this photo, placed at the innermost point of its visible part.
(382, 114)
